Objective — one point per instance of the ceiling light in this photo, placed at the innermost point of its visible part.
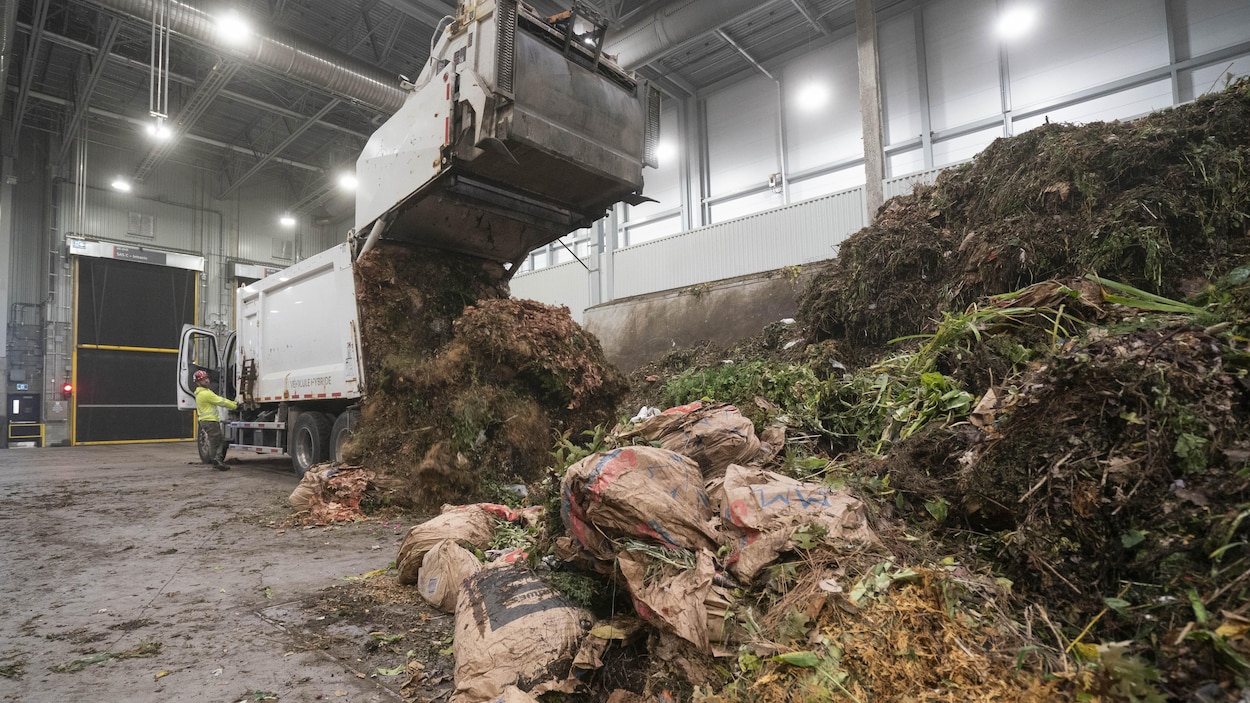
(812, 97)
(158, 131)
(121, 184)
(232, 28)
(287, 221)
(347, 181)
(1016, 21)
(664, 151)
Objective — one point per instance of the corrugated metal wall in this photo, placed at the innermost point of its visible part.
(795, 234)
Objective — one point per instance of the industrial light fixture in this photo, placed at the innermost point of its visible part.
(1016, 21)
(121, 184)
(347, 181)
(286, 220)
(157, 130)
(812, 97)
(232, 28)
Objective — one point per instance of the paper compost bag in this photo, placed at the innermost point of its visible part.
(765, 508)
(514, 630)
(636, 493)
(715, 436)
(443, 571)
(464, 524)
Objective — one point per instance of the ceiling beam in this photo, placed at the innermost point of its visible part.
(801, 6)
(139, 122)
(186, 80)
(88, 88)
(745, 54)
(273, 153)
(33, 42)
(195, 106)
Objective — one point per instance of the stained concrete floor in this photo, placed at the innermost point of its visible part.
(106, 548)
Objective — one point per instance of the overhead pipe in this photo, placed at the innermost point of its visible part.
(319, 67)
(644, 39)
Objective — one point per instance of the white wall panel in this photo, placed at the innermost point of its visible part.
(746, 205)
(1206, 25)
(1211, 78)
(904, 162)
(818, 135)
(742, 135)
(1077, 44)
(795, 234)
(829, 183)
(1123, 105)
(127, 217)
(962, 62)
(566, 284)
(653, 230)
(905, 185)
(953, 151)
(900, 83)
(662, 184)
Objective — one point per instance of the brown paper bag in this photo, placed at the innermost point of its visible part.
(514, 630)
(636, 493)
(464, 524)
(443, 571)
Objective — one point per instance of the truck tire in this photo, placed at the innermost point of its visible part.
(344, 428)
(310, 441)
(201, 444)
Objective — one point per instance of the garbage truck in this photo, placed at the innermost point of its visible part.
(518, 131)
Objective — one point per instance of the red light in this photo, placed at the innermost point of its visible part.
(67, 391)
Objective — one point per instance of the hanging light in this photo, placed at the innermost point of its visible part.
(286, 220)
(347, 181)
(121, 184)
(158, 131)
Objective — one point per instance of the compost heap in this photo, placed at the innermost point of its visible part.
(467, 388)
(1042, 493)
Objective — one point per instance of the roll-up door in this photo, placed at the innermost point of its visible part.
(128, 316)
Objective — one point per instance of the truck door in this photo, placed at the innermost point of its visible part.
(228, 386)
(197, 351)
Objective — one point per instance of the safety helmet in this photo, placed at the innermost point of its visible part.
(201, 376)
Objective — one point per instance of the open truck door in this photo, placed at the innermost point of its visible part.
(197, 351)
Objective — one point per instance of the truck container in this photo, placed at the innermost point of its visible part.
(293, 361)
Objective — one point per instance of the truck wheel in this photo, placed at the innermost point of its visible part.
(344, 428)
(310, 443)
(201, 444)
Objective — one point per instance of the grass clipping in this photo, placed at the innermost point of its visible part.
(467, 387)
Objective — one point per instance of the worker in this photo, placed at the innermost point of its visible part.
(206, 404)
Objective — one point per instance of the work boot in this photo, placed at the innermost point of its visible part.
(220, 466)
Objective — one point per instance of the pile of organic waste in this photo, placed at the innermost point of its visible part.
(1009, 458)
(467, 388)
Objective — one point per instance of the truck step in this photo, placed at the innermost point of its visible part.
(256, 448)
(260, 425)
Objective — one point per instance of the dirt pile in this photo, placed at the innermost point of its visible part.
(467, 388)
(1160, 203)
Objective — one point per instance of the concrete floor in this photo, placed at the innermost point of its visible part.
(107, 547)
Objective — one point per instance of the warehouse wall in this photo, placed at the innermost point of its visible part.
(173, 211)
(949, 87)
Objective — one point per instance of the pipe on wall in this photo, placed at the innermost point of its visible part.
(8, 36)
(316, 66)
